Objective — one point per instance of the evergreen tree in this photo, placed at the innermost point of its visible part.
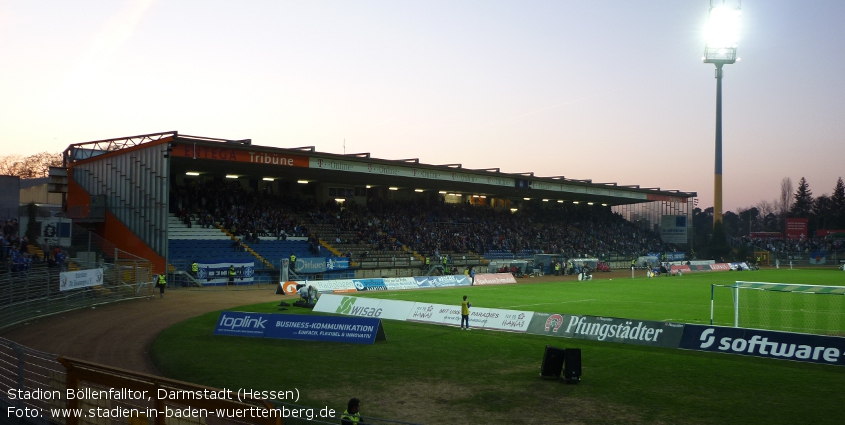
(803, 206)
(838, 201)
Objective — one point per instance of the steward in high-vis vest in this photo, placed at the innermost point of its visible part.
(162, 282)
(194, 269)
(633, 264)
(557, 268)
(352, 415)
(231, 274)
(427, 263)
(292, 262)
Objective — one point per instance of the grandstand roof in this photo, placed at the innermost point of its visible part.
(218, 157)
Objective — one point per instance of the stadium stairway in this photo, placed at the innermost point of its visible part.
(188, 244)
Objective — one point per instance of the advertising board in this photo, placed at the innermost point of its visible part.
(236, 323)
(364, 307)
(626, 331)
(80, 279)
(354, 330)
(493, 279)
(218, 273)
(759, 343)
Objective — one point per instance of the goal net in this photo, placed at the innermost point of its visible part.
(789, 307)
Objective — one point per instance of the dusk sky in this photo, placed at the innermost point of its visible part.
(613, 91)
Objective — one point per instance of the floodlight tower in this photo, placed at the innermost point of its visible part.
(721, 35)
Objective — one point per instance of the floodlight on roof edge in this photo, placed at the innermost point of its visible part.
(722, 34)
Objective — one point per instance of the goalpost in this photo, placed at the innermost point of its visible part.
(815, 309)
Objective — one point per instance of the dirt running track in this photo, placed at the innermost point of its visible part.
(120, 334)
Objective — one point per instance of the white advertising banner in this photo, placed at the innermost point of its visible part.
(503, 320)
(439, 314)
(401, 283)
(481, 318)
(80, 279)
(364, 307)
(493, 279)
(339, 285)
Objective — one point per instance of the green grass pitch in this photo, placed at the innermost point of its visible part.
(441, 375)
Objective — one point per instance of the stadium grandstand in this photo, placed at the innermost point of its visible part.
(178, 200)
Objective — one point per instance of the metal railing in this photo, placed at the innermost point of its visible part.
(36, 292)
(27, 371)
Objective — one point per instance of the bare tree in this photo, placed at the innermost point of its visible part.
(786, 199)
(30, 167)
(767, 207)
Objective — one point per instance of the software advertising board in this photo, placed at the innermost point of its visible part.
(626, 331)
(760, 343)
(493, 279)
(218, 273)
(354, 330)
(80, 279)
(364, 307)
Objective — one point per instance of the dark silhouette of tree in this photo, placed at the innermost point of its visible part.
(823, 212)
(838, 201)
(803, 206)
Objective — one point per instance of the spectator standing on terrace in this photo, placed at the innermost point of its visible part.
(231, 273)
(465, 305)
(352, 414)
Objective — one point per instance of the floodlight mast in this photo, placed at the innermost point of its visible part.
(722, 32)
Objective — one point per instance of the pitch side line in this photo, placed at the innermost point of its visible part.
(559, 302)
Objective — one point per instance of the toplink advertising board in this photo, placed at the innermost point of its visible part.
(355, 330)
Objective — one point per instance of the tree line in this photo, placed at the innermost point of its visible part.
(29, 167)
(822, 212)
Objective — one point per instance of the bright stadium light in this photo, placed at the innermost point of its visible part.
(268, 179)
(393, 188)
(192, 173)
(231, 176)
(418, 190)
(302, 181)
(721, 36)
(574, 202)
(442, 192)
(560, 201)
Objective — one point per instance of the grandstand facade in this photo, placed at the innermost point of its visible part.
(128, 189)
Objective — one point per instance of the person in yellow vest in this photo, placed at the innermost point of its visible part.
(194, 269)
(633, 264)
(231, 274)
(352, 414)
(162, 282)
(557, 268)
(465, 305)
(427, 263)
(293, 262)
